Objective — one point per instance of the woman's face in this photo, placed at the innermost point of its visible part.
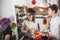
(50, 12)
(29, 16)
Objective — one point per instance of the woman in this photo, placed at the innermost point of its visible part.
(54, 22)
(29, 26)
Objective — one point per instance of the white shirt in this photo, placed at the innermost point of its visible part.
(30, 25)
(54, 27)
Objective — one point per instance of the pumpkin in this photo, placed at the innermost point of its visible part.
(37, 34)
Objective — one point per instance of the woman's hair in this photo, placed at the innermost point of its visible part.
(32, 12)
(54, 7)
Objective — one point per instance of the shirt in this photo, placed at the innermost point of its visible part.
(54, 27)
(29, 25)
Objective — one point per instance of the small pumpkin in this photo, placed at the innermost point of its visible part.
(37, 34)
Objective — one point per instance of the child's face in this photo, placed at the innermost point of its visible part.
(29, 16)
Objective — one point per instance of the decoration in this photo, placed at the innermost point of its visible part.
(13, 26)
(44, 21)
(38, 35)
(24, 6)
(38, 7)
(5, 23)
(33, 2)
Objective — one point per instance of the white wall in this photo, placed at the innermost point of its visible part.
(7, 8)
(20, 2)
(54, 1)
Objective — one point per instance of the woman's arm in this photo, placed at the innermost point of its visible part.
(48, 23)
(23, 28)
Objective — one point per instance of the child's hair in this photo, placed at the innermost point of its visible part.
(31, 11)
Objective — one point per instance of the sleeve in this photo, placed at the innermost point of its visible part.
(23, 28)
(59, 26)
(59, 21)
(23, 23)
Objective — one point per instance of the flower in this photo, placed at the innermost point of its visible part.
(5, 23)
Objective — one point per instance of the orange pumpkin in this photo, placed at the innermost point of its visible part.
(37, 34)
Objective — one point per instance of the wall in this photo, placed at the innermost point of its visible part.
(7, 8)
(20, 2)
(54, 1)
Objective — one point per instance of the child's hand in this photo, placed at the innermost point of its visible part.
(29, 31)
